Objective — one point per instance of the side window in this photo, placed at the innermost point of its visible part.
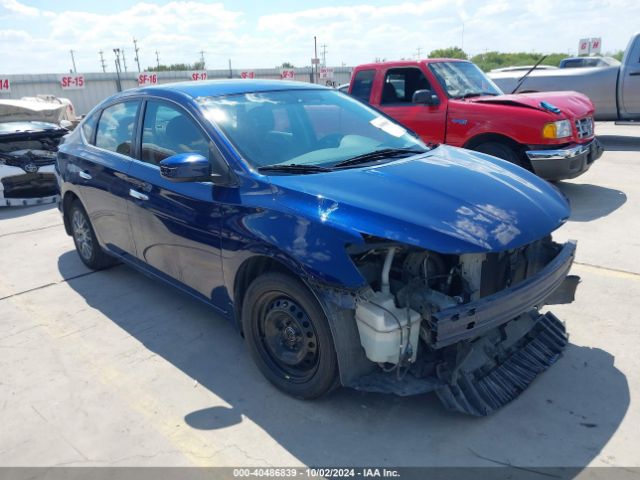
(89, 127)
(115, 127)
(167, 130)
(362, 84)
(401, 83)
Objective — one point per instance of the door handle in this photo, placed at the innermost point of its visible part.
(84, 174)
(634, 74)
(136, 194)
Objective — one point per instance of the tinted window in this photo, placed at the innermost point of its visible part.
(573, 63)
(115, 128)
(168, 130)
(89, 127)
(401, 83)
(362, 84)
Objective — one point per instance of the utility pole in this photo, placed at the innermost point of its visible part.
(73, 61)
(124, 60)
(157, 59)
(324, 54)
(315, 58)
(419, 52)
(135, 49)
(104, 67)
(462, 41)
(116, 51)
(230, 71)
(202, 59)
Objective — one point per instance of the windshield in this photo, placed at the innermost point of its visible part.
(319, 128)
(463, 79)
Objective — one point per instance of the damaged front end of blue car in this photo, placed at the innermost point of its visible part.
(433, 272)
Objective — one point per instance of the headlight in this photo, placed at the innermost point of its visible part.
(559, 129)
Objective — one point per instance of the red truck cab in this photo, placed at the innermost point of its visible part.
(452, 101)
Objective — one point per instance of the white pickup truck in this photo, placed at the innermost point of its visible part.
(614, 90)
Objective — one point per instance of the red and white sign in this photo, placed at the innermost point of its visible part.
(5, 85)
(326, 73)
(248, 74)
(146, 78)
(589, 46)
(583, 46)
(198, 75)
(72, 82)
(287, 74)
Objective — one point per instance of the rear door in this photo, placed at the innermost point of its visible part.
(176, 226)
(398, 87)
(102, 168)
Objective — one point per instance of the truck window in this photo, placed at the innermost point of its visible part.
(362, 83)
(401, 83)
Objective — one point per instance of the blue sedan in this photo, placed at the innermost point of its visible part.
(346, 251)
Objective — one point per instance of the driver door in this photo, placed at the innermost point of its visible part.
(398, 87)
(176, 226)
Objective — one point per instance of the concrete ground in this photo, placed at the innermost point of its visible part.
(112, 368)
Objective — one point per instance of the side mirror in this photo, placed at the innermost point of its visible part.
(425, 97)
(186, 167)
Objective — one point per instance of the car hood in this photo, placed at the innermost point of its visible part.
(574, 104)
(448, 200)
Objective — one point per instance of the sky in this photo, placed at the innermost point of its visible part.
(36, 36)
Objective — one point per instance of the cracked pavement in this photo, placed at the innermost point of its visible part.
(113, 368)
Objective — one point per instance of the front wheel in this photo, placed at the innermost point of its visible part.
(85, 240)
(288, 336)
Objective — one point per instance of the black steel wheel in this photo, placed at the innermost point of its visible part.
(84, 238)
(288, 336)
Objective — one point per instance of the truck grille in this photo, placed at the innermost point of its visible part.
(584, 127)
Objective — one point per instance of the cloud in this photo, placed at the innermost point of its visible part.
(39, 40)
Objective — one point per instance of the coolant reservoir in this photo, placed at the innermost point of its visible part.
(379, 330)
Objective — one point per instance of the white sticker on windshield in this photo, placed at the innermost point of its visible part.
(386, 126)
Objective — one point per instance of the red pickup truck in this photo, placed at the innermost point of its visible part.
(452, 101)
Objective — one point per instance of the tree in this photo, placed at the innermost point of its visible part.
(177, 67)
(491, 60)
(287, 65)
(451, 52)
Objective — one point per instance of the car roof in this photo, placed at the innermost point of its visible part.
(216, 88)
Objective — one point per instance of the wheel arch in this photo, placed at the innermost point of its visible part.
(68, 198)
(502, 139)
(490, 138)
(338, 307)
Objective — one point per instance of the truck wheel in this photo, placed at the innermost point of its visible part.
(288, 336)
(500, 150)
(85, 240)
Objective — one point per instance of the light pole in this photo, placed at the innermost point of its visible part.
(116, 51)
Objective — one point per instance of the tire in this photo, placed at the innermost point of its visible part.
(288, 336)
(503, 151)
(84, 238)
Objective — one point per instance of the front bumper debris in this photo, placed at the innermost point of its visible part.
(565, 163)
(478, 391)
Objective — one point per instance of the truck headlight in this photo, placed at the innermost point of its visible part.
(559, 129)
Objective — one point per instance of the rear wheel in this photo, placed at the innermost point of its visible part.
(85, 239)
(503, 151)
(288, 336)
